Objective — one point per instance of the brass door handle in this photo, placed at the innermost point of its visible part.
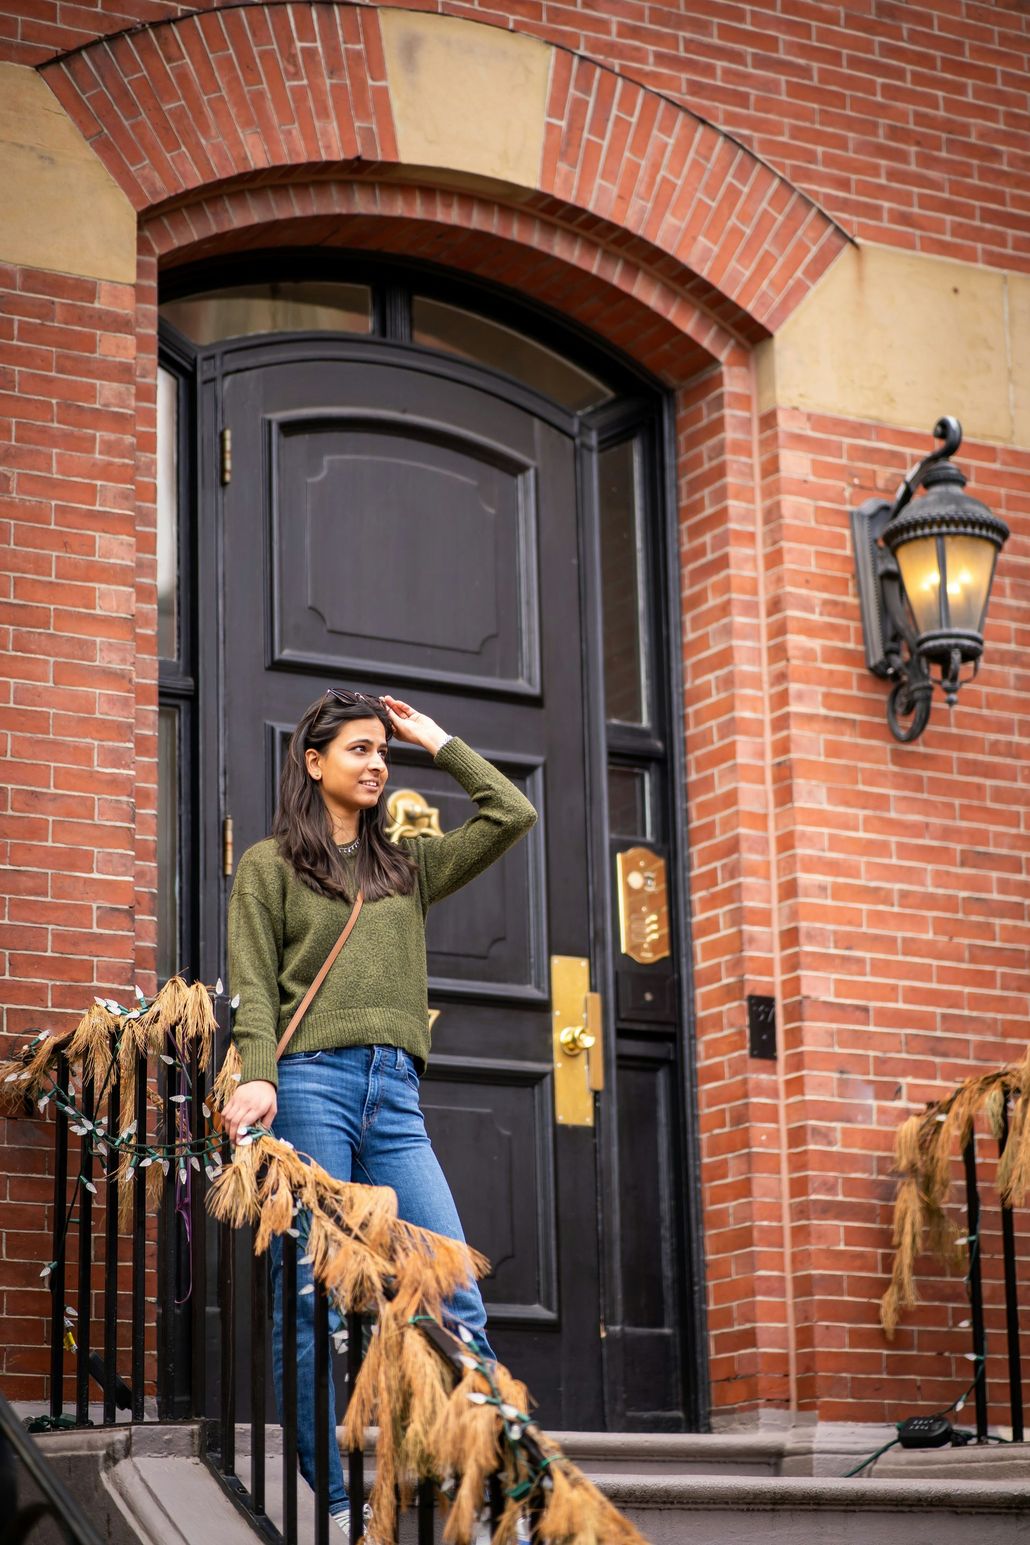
(575, 1039)
(577, 1026)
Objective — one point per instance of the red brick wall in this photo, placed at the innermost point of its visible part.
(876, 889)
(902, 904)
(908, 122)
(71, 836)
(69, 640)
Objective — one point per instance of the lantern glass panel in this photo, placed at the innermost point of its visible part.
(919, 562)
(969, 565)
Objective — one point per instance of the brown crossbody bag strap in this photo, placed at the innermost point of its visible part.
(304, 1003)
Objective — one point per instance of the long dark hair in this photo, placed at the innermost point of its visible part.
(303, 827)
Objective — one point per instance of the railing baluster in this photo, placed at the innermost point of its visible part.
(198, 1249)
(84, 1296)
(227, 1317)
(1008, 1245)
(976, 1290)
(426, 1511)
(257, 1380)
(167, 1285)
(495, 1494)
(321, 1398)
(139, 1247)
(356, 1457)
(111, 1250)
(56, 1278)
(288, 1288)
(496, 1499)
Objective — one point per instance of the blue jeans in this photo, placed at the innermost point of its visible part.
(355, 1110)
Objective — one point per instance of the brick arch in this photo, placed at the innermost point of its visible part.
(613, 294)
(245, 94)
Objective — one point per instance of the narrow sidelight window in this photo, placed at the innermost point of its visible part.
(626, 687)
(169, 867)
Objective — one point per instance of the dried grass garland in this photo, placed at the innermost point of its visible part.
(105, 1042)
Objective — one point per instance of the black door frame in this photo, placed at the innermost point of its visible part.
(640, 401)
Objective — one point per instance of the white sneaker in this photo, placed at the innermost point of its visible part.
(522, 1534)
(342, 1522)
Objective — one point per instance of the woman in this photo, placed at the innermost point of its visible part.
(346, 1089)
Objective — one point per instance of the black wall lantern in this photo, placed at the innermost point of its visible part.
(924, 569)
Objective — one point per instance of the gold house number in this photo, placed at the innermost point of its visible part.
(643, 905)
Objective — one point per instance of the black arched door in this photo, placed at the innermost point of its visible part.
(389, 526)
(469, 515)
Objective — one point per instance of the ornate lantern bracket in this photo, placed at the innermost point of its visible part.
(924, 569)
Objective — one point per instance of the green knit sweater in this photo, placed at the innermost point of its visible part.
(280, 932)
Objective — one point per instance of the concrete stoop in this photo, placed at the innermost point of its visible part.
(148, 1486)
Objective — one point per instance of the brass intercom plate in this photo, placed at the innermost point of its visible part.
(643, 905)
(577, 1041)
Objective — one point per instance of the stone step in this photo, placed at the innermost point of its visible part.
(790, 1510)
(148, 1486)
(673, 1453)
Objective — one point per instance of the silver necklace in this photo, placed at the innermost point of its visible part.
(349, 847)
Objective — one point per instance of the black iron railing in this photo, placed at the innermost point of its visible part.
(71, 1325)
(927, 1145)
(208, 1284)
(975, 1275)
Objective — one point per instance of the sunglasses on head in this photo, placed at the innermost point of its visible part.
(350, 700)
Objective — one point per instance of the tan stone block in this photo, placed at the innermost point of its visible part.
(465, 96)
(60, 208)
(900, 338)
(1019, 355)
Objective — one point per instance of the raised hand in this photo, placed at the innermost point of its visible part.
(418, 729)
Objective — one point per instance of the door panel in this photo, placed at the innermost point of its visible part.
(499, 1111)
(652, 1386)
(388, 528)
(491, 939)
(365, 499)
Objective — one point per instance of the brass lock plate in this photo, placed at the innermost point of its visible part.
(643, 905)
(576, 1040)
